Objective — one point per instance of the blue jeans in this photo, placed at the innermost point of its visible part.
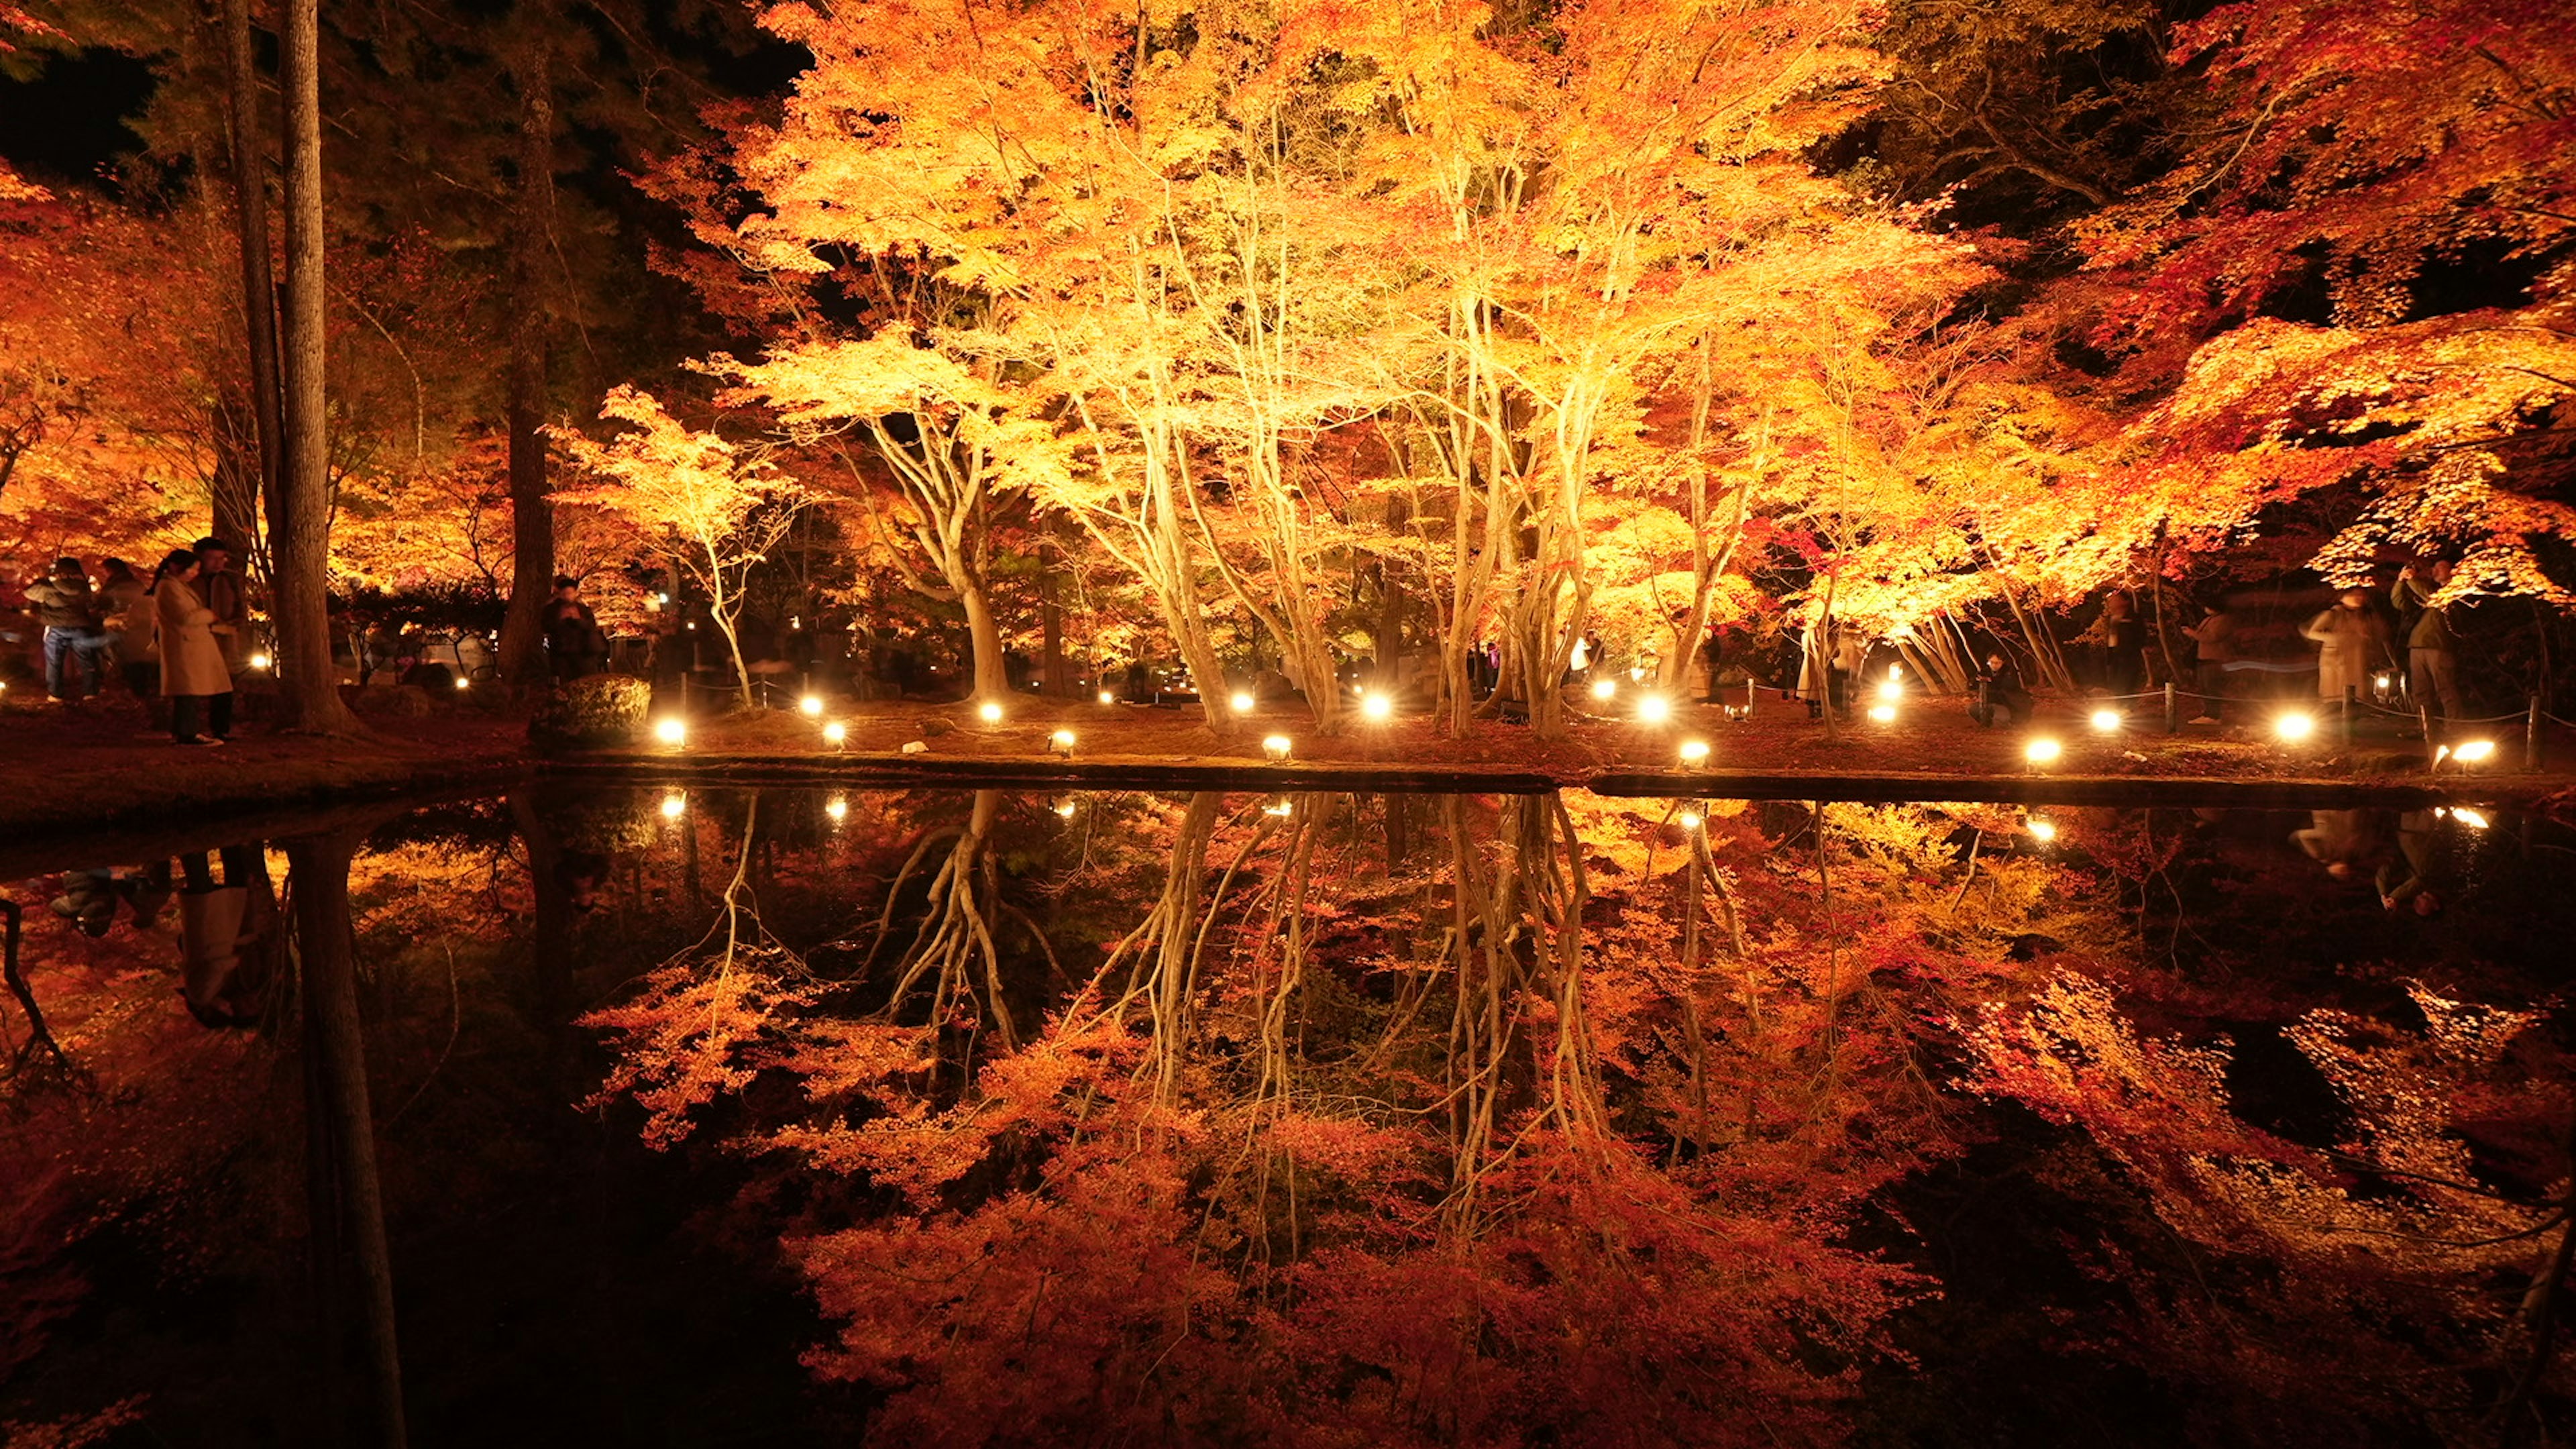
(90, 645)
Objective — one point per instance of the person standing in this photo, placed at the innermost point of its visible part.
(575, 647)
(2346, 637)
(2213, 649)
(68, 608)
(2432, 671)
(220, 589)
(126, 613)
(2124, 645)
(194, 677)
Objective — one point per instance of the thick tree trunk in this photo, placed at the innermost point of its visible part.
(992, 681)
(532, 518)
(318, 875)
(301, 601)
(258, 279)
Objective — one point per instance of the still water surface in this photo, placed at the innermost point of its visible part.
(953, 1117)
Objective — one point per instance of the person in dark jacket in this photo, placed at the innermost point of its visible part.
(575, 646)
(2000, 690)
(68, 607)
(221, 590)
(2432, 670)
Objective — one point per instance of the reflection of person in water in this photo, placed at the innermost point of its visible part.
(2407, 880)
(2342, 840)
(226, 935)
(581, 873)
(90, 897)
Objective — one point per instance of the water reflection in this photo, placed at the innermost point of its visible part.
(1327, 1117)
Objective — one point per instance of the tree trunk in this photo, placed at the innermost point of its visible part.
(318, 877)
(1054, 677)
(300, 603)
(258, 280)
(532, 518)
(992, 681)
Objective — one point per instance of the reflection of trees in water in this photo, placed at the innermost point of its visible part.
(1576, 1112)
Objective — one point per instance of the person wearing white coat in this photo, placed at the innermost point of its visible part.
(194, 676)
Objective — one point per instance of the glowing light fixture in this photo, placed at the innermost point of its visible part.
(1653, 709)
(1377, 707)
(1605, 689)
(671, 730)
(2473, 752)
(2042, 751)
(2294, 727)
(674, 805)
(2474, 819)
(260, 661)
(1061, 743)
(836, 734)
(1108, 697)
(1882, 714)
(2043, 831)
(1242, 701)
(1892, 690)
(1277, 746)
(2108, 721)
(837, 808)
(464, 683)
(811, 706)
(1694, 753)
(989, 712)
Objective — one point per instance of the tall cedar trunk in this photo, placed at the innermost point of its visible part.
(532, 518)
(318, 876)
(258, 279)
(301, 602)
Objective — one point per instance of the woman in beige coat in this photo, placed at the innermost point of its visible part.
(193, 673)
(2349, 640)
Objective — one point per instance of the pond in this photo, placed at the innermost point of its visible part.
(656, 1115)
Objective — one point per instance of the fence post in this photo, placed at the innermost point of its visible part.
(2531, 721)
(2173, 710)
(1748, 694)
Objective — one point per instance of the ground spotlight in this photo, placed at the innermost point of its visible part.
(1242, 701)
(2042, 751)
(1276, 746)
(1605, 688)
(672, 730)
(2294, 727)
(836, 734)
(1061, 743)
(811, 706)
(1377, 707)
(1653, 709)
(989, 713)
(1694, 753)
(1108, 697)
(2108, 721)
(2474, 752)
(260, 661)
(464, 683)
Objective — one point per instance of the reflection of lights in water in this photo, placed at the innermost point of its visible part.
(836, 733)
(1694, 752)
(1687, 820)
(2293, 728)
(673, 804)
(2106, 720)
(671, 730)
(2472, 752)
(1279, 808)
(2042, 751)
(1242, 702)
(1377, 707)
(1605, 688)
(1064, 807)
(1276, 746)
(989, 713)
(1653, 709)
(811, 706)
(837, 808)
(2043, 831)
(1882, 713)
(2474, 819)
(1108, 697)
